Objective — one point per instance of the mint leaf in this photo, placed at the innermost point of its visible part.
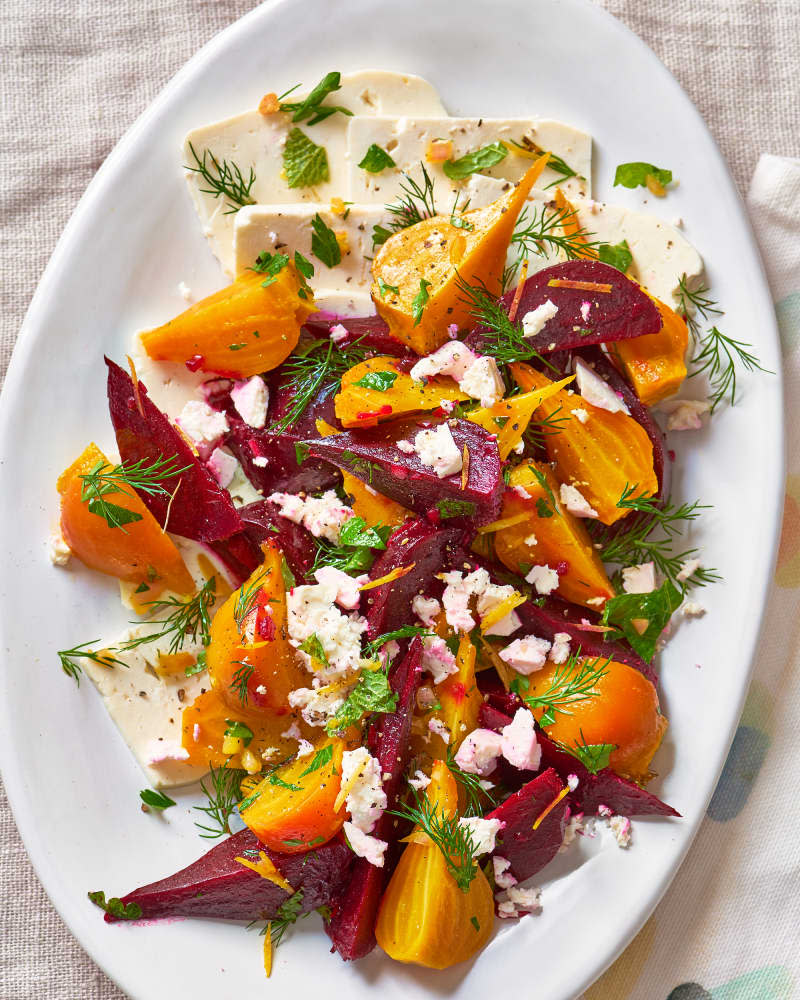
(303, 265)
(313, 646)
(304, 161)
(593, 756)
(156, 800)
(643, 617)
(419, 301)
(631, 175)
(480, 159)
(324, 244)
(301, 450)
(354, 532)
(239, 730)
(456, 508)
(371, 694)
(320, 759)
(376, 159)
(379, 381)
(380, 234)
(312, 107)
(618, 255)
(114, 515)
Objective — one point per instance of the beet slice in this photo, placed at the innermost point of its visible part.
(432, 550)
(371, 332)
(640, 413)
(351, 927)
(200, 509)
(527, 849)
(620, 314)
(239, 555)
(282, 473)
(263, 521)
(216, 885)
(372, 455)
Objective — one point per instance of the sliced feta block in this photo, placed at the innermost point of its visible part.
(286, 228)
(408, 141)
(252, 140)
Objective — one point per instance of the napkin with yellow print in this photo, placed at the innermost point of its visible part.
(729, 926)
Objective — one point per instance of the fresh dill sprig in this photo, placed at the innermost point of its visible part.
(504, 340)
(190, 618)
(225, 180)
(542, 232)
(104, 480)
(694, 302)
(241, 678)
(315, 372)
(69, 656)
(539, 429)
(415, 204)
(246, 598)
(635, 544)
(288, 913)
(718, 355)
(453, 840)
(572, 681)
(223, 792)
(356, 549)
(475, 795)
(554, 162)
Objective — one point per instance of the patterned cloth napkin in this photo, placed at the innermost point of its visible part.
(729, 926)
(74, 77)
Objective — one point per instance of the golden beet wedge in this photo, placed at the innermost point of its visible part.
(424, 261)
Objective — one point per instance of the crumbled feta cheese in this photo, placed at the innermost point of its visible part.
(452, 331)
(347, 593)
(502, 876)
(304, 748)
(447, 405)
(572, 829)
(597, 392)
(478, 753)
(581, 414)
(201, 424)
(406, 447)
(575, 502)
(505, 626)
(317, 705)
(533, 322)
(596, 602)
(438, 728)
(692, 609)
(196, 732)
(526, 654)
(58, 550)
(365, 846)
(482, 831)
(312, 611)
(366, 799)
(559, 653)
(437, 658)
(184, 291)
(427, 609)
(685, 414)
(461, 588)
(250, 398)
(260, 462)
(639, 579)
(531, 540)
(621, 828)
(436, 449)
(292, 733)
(222, 466)
(688, 567)
(420, 781)
(543, 579)
(521, 492)
(604, 812)
(338, 333)
(586, 308)
(514, 901)
(572, 782)
(520, 747)
(451, 359)
(322, 516)
(483, 381)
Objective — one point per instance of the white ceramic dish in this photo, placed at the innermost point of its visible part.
(133, 238)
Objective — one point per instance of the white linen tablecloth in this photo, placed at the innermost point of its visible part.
(75, 76)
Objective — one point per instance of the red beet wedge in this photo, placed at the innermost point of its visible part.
(217, 885)
(373, 456)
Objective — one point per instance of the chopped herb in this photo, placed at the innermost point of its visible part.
(303, 265)
(717, 356)
(187, 619)
(236, 347)
(275, 779)
(380, 234)
(313, 646)
(305, 163)
(224, 179)
(247, 596)
(115, 907)
(138, 477)
(480, 159)
(474, 921)
(502, 339)
(545, 232)
(301, 451)
(289, 912)
(311, 107)
(354, 552)
(238, 730)
(198, 666)
(372, 693)
(320, 759)
(618, 255)
(419, 301)
(241, 679)
(643, 617)
(376, 159)
(379, 381)
(476, 797)
(289, 580)
(455, 508)
(383, 288)
(315, 372)
(156, 800)
(404, 632)
(632, 175)
(571, 682)
(223, 791)
(324, 244)
(593, 756)
(416, 204)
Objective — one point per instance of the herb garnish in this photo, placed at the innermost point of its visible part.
(314, 648)
(239, 731)
(156, 800)
(503, 339)
(404, 632)
(618, 255)
(191, 618)
(572, 681)
(104, 480)
(593, 756)
(305, 163)
(270, 264)
(475, 795)
(631, 175)
(115, 907)
(320, 759)
(372, 693)
(225, 180)
(324, 244)
(312, 107)
(241, 679)
(378, 381)
(643, 617)
(717, 355)
(419, 301)
(384, 288)
(455, 508)
(376, 159)
(355, 551)
(69, 656)
(479, 159)
(223, 792)
(415, 205)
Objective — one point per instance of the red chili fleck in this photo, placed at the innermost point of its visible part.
(195, 363)
(562, 567)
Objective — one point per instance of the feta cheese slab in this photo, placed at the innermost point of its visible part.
(408, 141)
(252, 140)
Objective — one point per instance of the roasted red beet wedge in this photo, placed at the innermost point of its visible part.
(198, 507)
(618, 312)
(370, 332)
(353, 913)
(431, 550)
(217, 885)
(373, 456)
(263, 521)
(529, 849)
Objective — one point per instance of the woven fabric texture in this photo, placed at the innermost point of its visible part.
(74, 77)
